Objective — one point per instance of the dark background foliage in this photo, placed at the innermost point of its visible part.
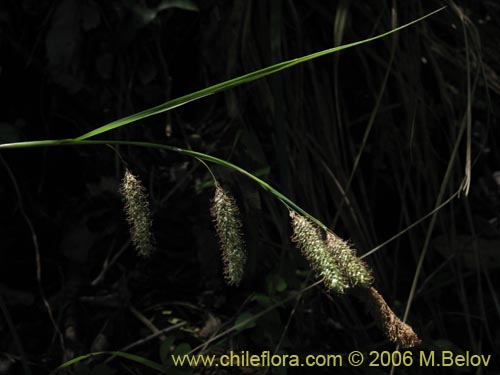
(369, 141)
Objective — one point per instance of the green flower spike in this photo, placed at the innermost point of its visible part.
(354, 269)
(228, 225)
(308, 237)
(138, 214)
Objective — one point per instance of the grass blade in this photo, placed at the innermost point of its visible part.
(133, 357)
(226, 85)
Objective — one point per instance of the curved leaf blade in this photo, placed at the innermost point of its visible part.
(226, 85)
(132, 357)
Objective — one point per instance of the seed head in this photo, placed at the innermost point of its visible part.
(354, 269)
(138, 214)
(308, 237)
(396, 330)
(228, 226)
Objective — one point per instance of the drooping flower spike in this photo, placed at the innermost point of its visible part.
(138, 213)
(396, 330)
(228, 226)
(308, 237)
(353, 268)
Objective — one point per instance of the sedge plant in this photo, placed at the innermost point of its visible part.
(334, 261)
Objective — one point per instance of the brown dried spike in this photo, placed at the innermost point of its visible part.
(396, 330)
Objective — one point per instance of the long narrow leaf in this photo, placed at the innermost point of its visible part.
(235, 82)
(143, 361)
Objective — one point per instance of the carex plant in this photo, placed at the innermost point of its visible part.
(333, 259)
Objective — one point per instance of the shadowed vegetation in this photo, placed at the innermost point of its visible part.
(392, 140)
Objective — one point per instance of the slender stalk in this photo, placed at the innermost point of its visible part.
(198, 155)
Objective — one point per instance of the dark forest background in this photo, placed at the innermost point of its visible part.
(369, 141)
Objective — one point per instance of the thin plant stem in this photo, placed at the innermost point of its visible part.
(15, 336)
(198, 155)
(34, 239)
